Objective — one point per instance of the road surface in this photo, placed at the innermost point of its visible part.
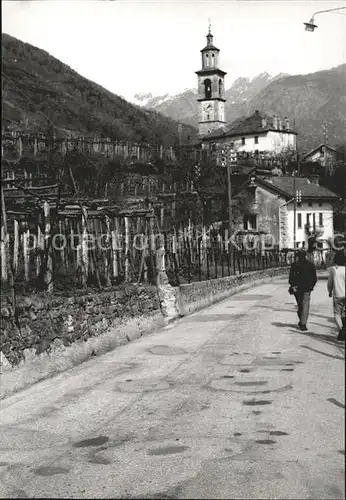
(231, 402)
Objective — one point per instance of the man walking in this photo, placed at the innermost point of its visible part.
(302, 280)
(336, 289)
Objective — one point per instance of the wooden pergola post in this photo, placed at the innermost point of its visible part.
(15, 245)
(107, 252)
(48, 274)
(84, 247)
(4, 256)
(114, 244)
(26, 253)
(127, 249)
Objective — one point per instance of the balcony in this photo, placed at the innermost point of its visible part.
(316, 229)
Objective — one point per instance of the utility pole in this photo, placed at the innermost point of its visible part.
(229, 198)
(180, 130)
(228, 159)
(325, 157)
(294, 211)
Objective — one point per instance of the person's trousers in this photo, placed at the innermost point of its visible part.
(303, 302)
(339, 304)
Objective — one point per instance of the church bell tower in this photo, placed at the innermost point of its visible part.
(211, 94)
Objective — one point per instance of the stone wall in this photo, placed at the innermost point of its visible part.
(195, 296)
(50, 334)
(42, 321)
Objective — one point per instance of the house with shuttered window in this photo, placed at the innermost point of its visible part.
(269, 209)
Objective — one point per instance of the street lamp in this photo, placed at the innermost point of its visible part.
(310, 26)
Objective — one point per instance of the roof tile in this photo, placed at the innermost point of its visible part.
(308, 188)
(248, 125)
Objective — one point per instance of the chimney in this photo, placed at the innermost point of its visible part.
(287, 123)
(280, 124)
(274, 121)
(264, 122)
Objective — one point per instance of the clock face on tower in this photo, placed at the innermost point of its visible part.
(207, 110)
(221, 111)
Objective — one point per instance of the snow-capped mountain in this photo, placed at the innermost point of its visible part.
(310, 101)
(243, 90)
(147, 100)
(181, 106)
(184, 107)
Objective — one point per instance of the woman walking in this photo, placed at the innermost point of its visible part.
(336, 289)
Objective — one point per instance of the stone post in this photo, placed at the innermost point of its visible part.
(169, 296)
(19, 147)
(4, 256)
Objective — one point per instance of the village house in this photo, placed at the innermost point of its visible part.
(325, 155)
(257, 133)
(268, 208)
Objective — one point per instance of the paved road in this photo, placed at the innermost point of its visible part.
(231, 402)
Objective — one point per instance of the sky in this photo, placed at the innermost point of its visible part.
(154, 46)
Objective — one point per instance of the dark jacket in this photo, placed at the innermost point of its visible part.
(303, 276)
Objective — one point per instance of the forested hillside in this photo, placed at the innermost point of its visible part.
(37, 89)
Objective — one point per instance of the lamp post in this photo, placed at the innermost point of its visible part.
(310, 26)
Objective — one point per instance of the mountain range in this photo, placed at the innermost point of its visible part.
(184, 106)
(310, 101)
(38, 89)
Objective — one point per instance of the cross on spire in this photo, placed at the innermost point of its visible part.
(325, 133)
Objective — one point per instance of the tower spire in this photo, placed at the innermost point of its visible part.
(209, 35)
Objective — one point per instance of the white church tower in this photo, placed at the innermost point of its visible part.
(211, 92)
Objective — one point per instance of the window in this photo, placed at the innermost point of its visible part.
(256, 139)
(308, 219)
(320, 204)
(314, 220)
(310, 203)
(320, 219)
(303, 244)
(299, 221)
(243, 140)
(220, 88)
(207, 88)
(250, 222)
